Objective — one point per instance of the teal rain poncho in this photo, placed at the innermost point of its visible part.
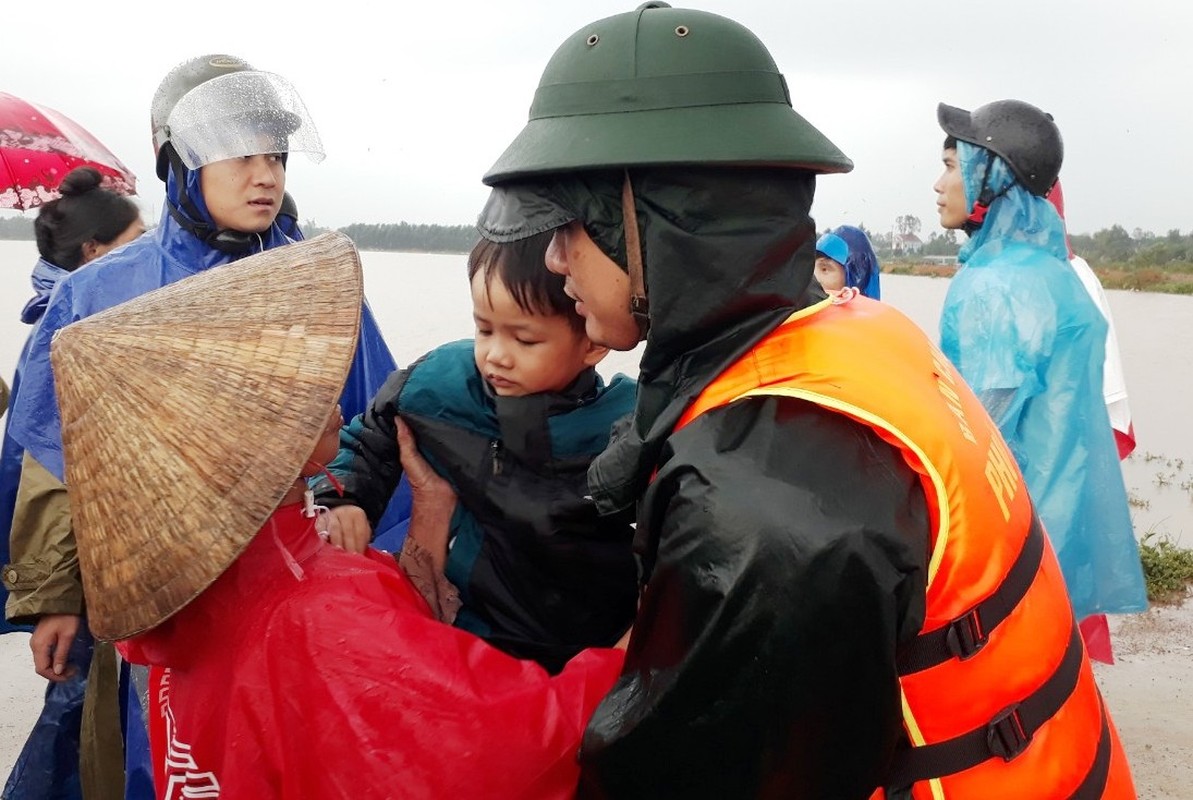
(1024, 333)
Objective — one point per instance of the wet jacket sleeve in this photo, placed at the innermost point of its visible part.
(786, 550)
(367, 465)
(43, 577)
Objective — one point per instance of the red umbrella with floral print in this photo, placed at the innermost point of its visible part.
(38, 146)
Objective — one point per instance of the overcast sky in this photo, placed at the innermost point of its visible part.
(414, 101)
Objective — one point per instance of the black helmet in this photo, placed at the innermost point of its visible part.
(1023, 135)
(178, 82)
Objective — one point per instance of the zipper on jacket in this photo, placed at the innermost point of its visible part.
(495, 452)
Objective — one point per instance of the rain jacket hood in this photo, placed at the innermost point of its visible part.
(45, 277)
(1015, 215)
(728, 255)
(1025, 335)
(861, 267)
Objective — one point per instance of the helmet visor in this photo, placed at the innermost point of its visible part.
(241, 114)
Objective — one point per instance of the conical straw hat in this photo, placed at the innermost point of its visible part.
(188, 412)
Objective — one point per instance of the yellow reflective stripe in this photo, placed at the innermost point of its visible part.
(917, 738)
(942, 499)
(809, 311)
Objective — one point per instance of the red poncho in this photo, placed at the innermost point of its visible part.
(305, 671)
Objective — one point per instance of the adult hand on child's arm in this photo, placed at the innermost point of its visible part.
(50, 643)
(424, 553)
(348, 528)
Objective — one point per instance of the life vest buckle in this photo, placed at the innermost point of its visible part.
(966, 635)
(1005, 734)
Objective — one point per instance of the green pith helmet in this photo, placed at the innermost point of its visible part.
(178, 82)
(661, 86)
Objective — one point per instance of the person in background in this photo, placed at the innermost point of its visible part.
(819, 537)
(1114, 383)
(512, 419)
(222, 134)
(845, 258)
(831, 255)
(82, 224)
(1096, 628)
(1024, 333)
(862, 270)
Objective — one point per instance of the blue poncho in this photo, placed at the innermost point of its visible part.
(1024, 333)
(164, 255)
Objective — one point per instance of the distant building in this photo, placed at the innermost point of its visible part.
(907, 244)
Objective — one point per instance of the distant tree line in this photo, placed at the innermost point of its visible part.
(1112, 247)
(16, 227)
(400, 236)
(407, 237)
(1139, 248)
(1109, 247)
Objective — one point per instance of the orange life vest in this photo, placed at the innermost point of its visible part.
(998, 695)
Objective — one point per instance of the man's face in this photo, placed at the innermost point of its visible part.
(950, 193)
(600, 288)
(244, 194)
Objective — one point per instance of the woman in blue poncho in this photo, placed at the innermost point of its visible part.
(845, 257)
(1024, 333)
(83, 223)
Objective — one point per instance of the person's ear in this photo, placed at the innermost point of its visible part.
(594, 353)
(90, 250)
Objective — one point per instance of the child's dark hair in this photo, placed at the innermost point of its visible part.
(83, 213)
(523, 270)
(950, 143)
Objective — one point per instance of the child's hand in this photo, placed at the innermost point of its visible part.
(348, 528)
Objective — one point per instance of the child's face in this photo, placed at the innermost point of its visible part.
(520, 353)
(328, 445)
(829, 274)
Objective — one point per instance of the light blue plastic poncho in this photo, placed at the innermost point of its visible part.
(1024, 333)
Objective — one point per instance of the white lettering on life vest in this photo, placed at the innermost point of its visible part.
(945, 381)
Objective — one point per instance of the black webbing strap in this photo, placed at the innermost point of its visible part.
(1005, 736)
(1094, 784)
(969, 633)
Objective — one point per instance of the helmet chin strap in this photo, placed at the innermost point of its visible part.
(986, 198)
(639, 305)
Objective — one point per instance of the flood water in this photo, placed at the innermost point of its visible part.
(422, 300)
